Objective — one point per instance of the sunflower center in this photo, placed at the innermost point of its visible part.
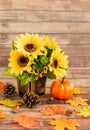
(55, 63)
(22, 61)
(30, 47)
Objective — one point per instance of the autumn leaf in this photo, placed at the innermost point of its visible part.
(10, 103)
(63, 123)
(84, 111)
(51, 110)
(78, 90)
(3, 115)
(2, 84)
(15, 109)
(77, 101)
(25, 121)
(59, 123)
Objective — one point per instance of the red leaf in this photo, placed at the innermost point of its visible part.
(2, 84)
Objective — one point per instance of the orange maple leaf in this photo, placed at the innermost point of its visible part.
(63, 123)
(51, 110)
(3, 115)
(25, 121)
(2, 84)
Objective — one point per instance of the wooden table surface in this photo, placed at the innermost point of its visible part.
(8, 124)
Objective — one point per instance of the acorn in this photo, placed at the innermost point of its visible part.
(31, 99)
(9, 90)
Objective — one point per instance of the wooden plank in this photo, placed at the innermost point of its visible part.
(77, 82)
(44, 27)
(74, 73)
(46, 16)
(71, 50)
(6, 38)
(44, 5)
(74, 61)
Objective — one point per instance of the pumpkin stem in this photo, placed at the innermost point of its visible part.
(63, 80)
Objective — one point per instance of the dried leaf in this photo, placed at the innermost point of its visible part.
(15, 109)
(25, 121)
(2, 84)
(10, 103)
(77, 101)
(59, 123)
(71, 124)
(78, 90)
(84, 111)
(51, 110)
(3, 115)
(63, 123)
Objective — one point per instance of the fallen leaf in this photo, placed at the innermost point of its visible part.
(72, 124)
(25, 121)
(78, 90)
(3, 115)
(59, 123)
(10, 103)
(77, 101)
(51, 110)
(15, 109)
(84, 111)
(2, 84)
(63, 123)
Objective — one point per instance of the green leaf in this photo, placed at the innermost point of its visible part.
(25, 78)
(50, 75)
(38, 67)
(13, 47)
(10, 103)
(7, 72)
(44, 60)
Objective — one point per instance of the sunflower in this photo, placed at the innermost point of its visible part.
(19, 62)
(29, 43)
(58, 63)
(51, 44)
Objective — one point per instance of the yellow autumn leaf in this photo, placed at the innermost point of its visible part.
(84, 111)
(10, 103)
(77, 101)
(63, 123)
(78, 90)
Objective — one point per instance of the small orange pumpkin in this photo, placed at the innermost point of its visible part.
(62, 89)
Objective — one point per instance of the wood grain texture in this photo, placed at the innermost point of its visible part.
(46, 16)
(67, 21)
(9, 124)
(45, 5)
(62, 39)
(44, 27)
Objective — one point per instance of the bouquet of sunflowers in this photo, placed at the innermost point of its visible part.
(33, 56)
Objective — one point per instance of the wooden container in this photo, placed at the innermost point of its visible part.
(37, 86)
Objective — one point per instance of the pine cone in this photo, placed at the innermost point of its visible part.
(31, 99)
(9, 90)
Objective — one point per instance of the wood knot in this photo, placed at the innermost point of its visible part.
(4, 24)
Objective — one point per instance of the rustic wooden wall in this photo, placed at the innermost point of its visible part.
(66, 20)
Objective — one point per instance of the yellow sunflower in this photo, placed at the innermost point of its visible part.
(51, 44)
(58, 63)
(29, 43)
(19, 62)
